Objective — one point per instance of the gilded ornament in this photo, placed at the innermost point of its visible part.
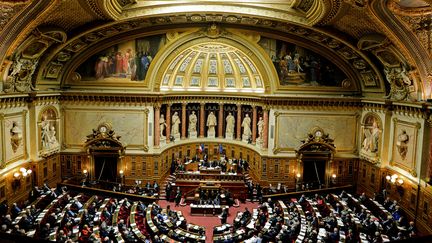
(196, 18)
(231, 19)
(359, 64)
(63, 56)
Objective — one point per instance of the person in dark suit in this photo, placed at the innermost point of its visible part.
(224, 215)
(168, 190)
(178, 197)
(15, 210)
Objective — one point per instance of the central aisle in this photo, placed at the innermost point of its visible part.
(209, 221)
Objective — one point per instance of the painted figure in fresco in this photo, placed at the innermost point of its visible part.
(101, 67)
(132, 66)
(16, 136)
(246, 124)
(291, 65)
(211, 123)
(119, 62)
(402, 144)
(175, 128)
(193, 122)
(297, 63)
(230, 123)
(283, 66)
(143, 63)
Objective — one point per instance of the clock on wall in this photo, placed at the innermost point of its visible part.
(103, 129)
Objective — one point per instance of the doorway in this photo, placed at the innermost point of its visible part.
(314, 173)
(106, 167)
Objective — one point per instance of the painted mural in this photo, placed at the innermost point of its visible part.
(298, 66)
(126, 61)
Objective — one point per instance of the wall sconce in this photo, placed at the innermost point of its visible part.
(26, 172)
(85, 174)
(333, 178)
(121, 173)
(17, 176)
(297, 178)
(16, 183)
(397, 181)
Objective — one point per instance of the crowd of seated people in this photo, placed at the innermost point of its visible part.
(60, 215)
(24, 219)
(69, 216)
(149, 190)
(226, 165)
(316, 218)
(170, 225)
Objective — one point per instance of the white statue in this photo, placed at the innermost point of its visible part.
(45, 126)
(49, 139)
(193, 122)
(260, 125)
(230, 122)
(371, 138)
(175, 128)
(162, 125)
(52, 137)
(211, 123)
(246, 124)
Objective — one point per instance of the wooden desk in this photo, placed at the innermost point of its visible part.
(206, 210)
(192, 166)
(212, 171)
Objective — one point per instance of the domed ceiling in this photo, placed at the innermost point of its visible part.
(212, 67)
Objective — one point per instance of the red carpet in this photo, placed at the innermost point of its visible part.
(208, 221)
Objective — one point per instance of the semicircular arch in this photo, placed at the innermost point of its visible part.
(249, 48)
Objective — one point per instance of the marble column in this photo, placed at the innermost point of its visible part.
(156, 126)
(239, 121)
(254, 124)
(168, 123)
(221, 119)
(266, 127)
(202, 119)
(183, 127)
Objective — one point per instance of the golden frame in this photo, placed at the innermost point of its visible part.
(411, 129)
(3, 130)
